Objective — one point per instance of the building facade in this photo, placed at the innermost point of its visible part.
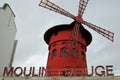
(7, 37)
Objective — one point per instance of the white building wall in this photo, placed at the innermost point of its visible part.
(7, 36)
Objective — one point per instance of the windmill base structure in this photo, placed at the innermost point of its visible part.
(65, 59)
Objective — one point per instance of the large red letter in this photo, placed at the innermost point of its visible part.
(33, 73)
(109, 72)
(29, 72)
(7, 73)
(20, 71)
(102, 72)
(91, 71)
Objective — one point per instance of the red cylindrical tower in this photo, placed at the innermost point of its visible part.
(63, 59)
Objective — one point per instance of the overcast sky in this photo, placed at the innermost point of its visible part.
(32, 21)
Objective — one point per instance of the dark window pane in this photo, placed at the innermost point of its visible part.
(74, 52)
(83, 55)
(82, 47)
(63, 52)
(54, 52)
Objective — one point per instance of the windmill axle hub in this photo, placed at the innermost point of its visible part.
(78, 19)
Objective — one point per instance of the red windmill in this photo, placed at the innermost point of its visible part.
(67, 43)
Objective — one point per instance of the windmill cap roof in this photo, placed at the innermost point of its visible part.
(85, 33)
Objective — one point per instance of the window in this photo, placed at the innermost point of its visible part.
(83, 47)
(63, 52)
(74, 52)
(54, 52)
(83, 55)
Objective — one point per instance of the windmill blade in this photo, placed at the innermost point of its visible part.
(51, 6)
(82, 6)
(109, 35)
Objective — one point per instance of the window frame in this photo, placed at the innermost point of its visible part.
(75, 53)
(54, 53)
(63, 52)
